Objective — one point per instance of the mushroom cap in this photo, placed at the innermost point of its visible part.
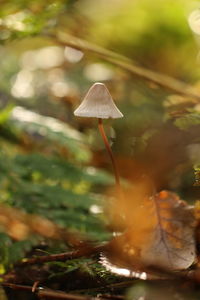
(98, 103)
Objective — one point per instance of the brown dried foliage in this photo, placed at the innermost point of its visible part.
(159, 231)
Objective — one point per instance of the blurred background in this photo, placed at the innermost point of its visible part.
(54, 164)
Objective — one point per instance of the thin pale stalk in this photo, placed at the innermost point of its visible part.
(108, 148)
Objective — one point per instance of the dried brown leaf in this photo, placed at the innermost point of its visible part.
(160, 232)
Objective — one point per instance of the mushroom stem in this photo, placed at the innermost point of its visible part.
(104, 137)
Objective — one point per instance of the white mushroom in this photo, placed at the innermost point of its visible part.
(98, 103)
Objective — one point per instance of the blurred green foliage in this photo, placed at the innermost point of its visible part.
(45, 183)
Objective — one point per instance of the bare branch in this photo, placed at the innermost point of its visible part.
(121, 61)
(84, 251)
(48, 293)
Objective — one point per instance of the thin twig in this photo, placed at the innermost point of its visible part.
(48, 293)
(121, 61)
(86, 251)
(35, 285)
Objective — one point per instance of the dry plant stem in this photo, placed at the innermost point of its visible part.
(128, 65)
(48, 293)
(35, 285)
(116, 172)
(86, 251)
